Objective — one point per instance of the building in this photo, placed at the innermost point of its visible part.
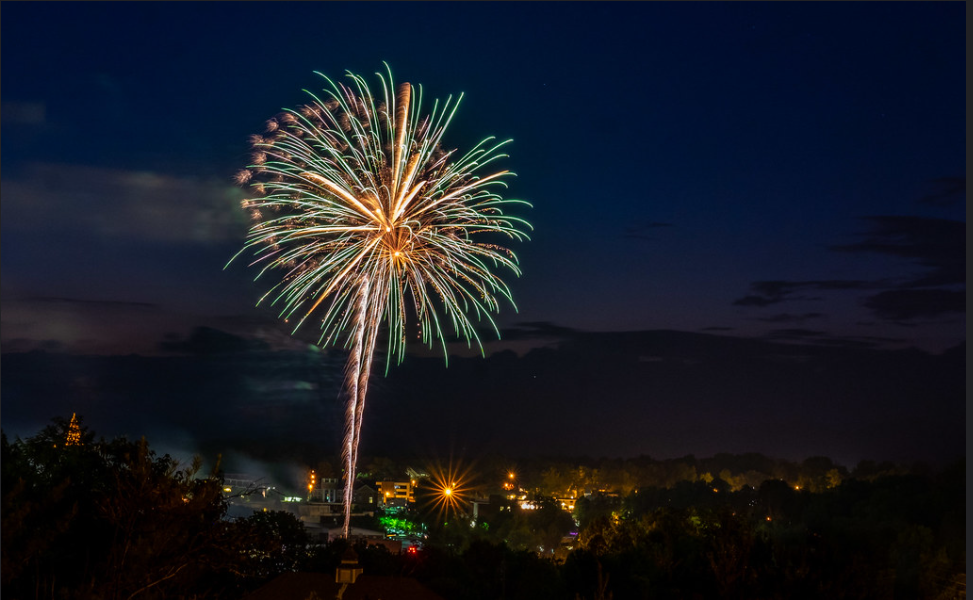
(365, 500)
(325, 489)
(396, 493)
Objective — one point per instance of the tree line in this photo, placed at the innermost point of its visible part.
(85, 518)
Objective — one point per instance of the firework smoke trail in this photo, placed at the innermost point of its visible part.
(364, 214)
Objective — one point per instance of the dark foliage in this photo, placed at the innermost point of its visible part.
(893, 535)
(112, 520)
(109, 520)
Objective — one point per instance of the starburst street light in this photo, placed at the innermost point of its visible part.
(448, 491)
(449, 497)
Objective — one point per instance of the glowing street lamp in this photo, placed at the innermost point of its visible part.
(449, 490)
(312, 480)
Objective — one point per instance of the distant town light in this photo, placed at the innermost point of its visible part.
(74, 432)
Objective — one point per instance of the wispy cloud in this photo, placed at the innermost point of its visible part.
(206, 341)
(766, 293)
(789, 318)
(537, 329)
(46, 198)
(946, 192)
(823, 338)
(84, 326)
(24, 113)
(105, 304)
(939, 245)
(906, 305)
(641, 231)
(936, 246)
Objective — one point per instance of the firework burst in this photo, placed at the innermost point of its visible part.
(367, 219)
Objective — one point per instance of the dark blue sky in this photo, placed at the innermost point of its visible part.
(782, 172)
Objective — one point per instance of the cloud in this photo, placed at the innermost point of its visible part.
(26, 345)
(937, 244)
(640, 231)
(774, 292)
(822, 338)
(537, 329)
(285, 405)
(904, 305)
(519, 339)
(83, 326)
(119, 204)
(755, 301)
(789, 318)
(948, 191)
(103, 304)
(794, 334)
(206, 340)
(24, 113)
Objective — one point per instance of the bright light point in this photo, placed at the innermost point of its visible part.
(449, 492)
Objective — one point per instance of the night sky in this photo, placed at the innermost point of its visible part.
(749, 226)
